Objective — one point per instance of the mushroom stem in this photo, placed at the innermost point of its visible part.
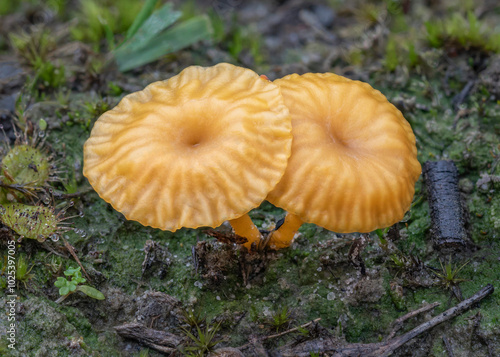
(244, 227)
(283, 236)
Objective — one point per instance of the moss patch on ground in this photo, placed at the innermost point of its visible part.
(312, 279)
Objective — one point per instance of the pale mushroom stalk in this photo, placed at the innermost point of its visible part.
(283, 236)
(244, 227)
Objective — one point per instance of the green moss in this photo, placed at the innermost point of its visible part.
(467, 32)
(95, 19)
(295, 278)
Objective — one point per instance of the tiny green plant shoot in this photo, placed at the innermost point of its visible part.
(466, 32)
(448, 276)
(68, 287)
(193, 318)
(22, 271)
(280, 319)
(202, 341)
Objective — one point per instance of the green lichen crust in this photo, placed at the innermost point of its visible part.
(34, 222)
(24, 165)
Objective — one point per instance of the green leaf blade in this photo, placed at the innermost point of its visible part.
(156, 23)
(92, 292)
(183, 35)
(146, 11)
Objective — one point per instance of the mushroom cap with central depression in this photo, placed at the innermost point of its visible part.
(354, 160)
(200, 148)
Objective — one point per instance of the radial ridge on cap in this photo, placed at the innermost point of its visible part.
(354, 162)
(202, 147)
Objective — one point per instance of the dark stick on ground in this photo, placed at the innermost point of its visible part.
(158, 340)
(447, 345)
(447, 215)
(166, 342)
(335, 347)
(398, 323)
(355, 251)
(462, 96)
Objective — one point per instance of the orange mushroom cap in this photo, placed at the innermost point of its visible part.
(195, 150)
(354, 160)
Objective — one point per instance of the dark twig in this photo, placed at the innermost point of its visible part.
(166, 342)
(158, 340)
(460, 97)
(72, 252)
(398, 323)
(447, 346)
(337, 348)
(476, 333)
(447, 214)
(386, 348)
(281, 333)
(293, 329)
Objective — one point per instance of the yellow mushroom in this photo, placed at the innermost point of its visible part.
(354, 160)
(195, 150)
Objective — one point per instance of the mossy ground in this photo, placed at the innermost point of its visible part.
(313, 278)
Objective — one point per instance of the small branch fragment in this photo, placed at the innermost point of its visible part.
(447, 215)
(355, 251)
(252, 343)
(293, 329)
(158, 340)
(338, 348)
(447, 345)
(462, 96)
(445, 316)
(72, 252)
(398, 323)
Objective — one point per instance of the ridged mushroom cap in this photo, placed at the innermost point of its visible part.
(354, 160)
(200, 148)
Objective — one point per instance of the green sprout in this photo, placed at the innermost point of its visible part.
(98, 20)
(68, 287)
(3, 267)
(35, 45)
(23, 270)
(448, 275)
(47, 75)
(467, 33)
(202, 342)
(193, 317)
(280, 319)
(303, 331)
